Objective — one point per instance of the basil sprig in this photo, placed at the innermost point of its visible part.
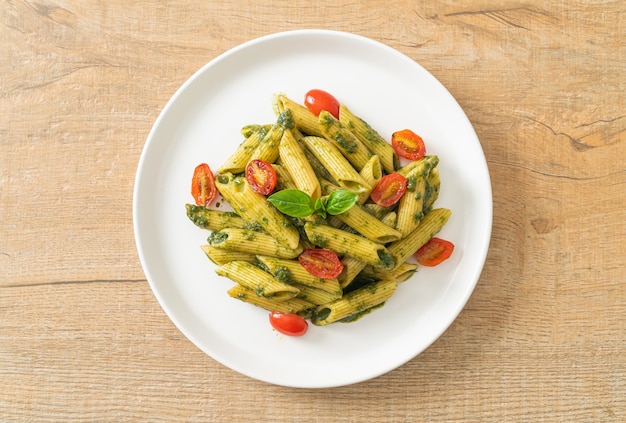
(296, 203)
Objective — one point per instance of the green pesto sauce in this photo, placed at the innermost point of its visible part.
(386, 259)
(356, 316)
(418, 216)
(283, 274)
(285, 119)
(411, 183)
(217, 237)
(348, 145)
(253, 226)
(327, 120)
(428, 191)
(196, 215)
(259, 291)
(371, 135)
(241, 295)
(320, 241)
(322, 314)
(222, 179)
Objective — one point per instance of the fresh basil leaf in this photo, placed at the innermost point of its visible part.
(320, 207)
(341, 200)
(293, 202)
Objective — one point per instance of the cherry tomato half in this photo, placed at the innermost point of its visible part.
(203, 186)
(434, 252)
(389, 190)
(318, 100)
(261, 176)
(321, 263)
(408, 144)
(288, 324)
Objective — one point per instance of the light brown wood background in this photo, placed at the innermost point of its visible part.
(542, 338)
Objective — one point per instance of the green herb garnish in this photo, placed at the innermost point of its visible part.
(296, 203)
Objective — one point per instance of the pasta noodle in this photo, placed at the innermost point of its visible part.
(261, 249)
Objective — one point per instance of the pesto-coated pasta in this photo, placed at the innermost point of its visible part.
(432, 223)
(336, 164)
(251, 242)
(291, 305)
(349, 145)
(291, 271)
(331, 165)
(255, 209)
(369, 226)
(354, 302)
(346, 243)
(221, 256)
(370, 138)
(304, 120)
(213, 219)
(237, 162)
(258, 281)
(294, 159)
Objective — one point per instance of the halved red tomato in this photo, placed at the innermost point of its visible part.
(203, 186)
(434, 252)
(317, 100)
(408, 144)
(261, 176)
(288, 323)
(321, 263)
(389, 190)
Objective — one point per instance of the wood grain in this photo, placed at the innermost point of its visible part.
(543, 336)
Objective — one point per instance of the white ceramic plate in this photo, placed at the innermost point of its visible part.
(201, 123)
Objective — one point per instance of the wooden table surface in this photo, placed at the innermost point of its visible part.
(542, 338)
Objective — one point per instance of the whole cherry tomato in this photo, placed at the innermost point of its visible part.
(434, 252)
(317, 100)
(389, 190)
(288, 323)
(321, 263)
(261, 176)
(203, 186)
(408, 144)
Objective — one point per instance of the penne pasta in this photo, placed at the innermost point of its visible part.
(291, 305)
(294, 159)
(291, 271)
(285, 181)
(251, 242)
(221, 256)
(432, 223)
(304, 120)
(254, 208)
(351, 269)
(370, 138)
(411, 205)
(346, 243)
(369, 226)
(237, 162)
(399, 274)
(354, 302)
(301, 203)
(316, 296)
(256, 280)
(267, 149)
(336, 164)
(372, 171)
(349, 145)
(213, 219)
